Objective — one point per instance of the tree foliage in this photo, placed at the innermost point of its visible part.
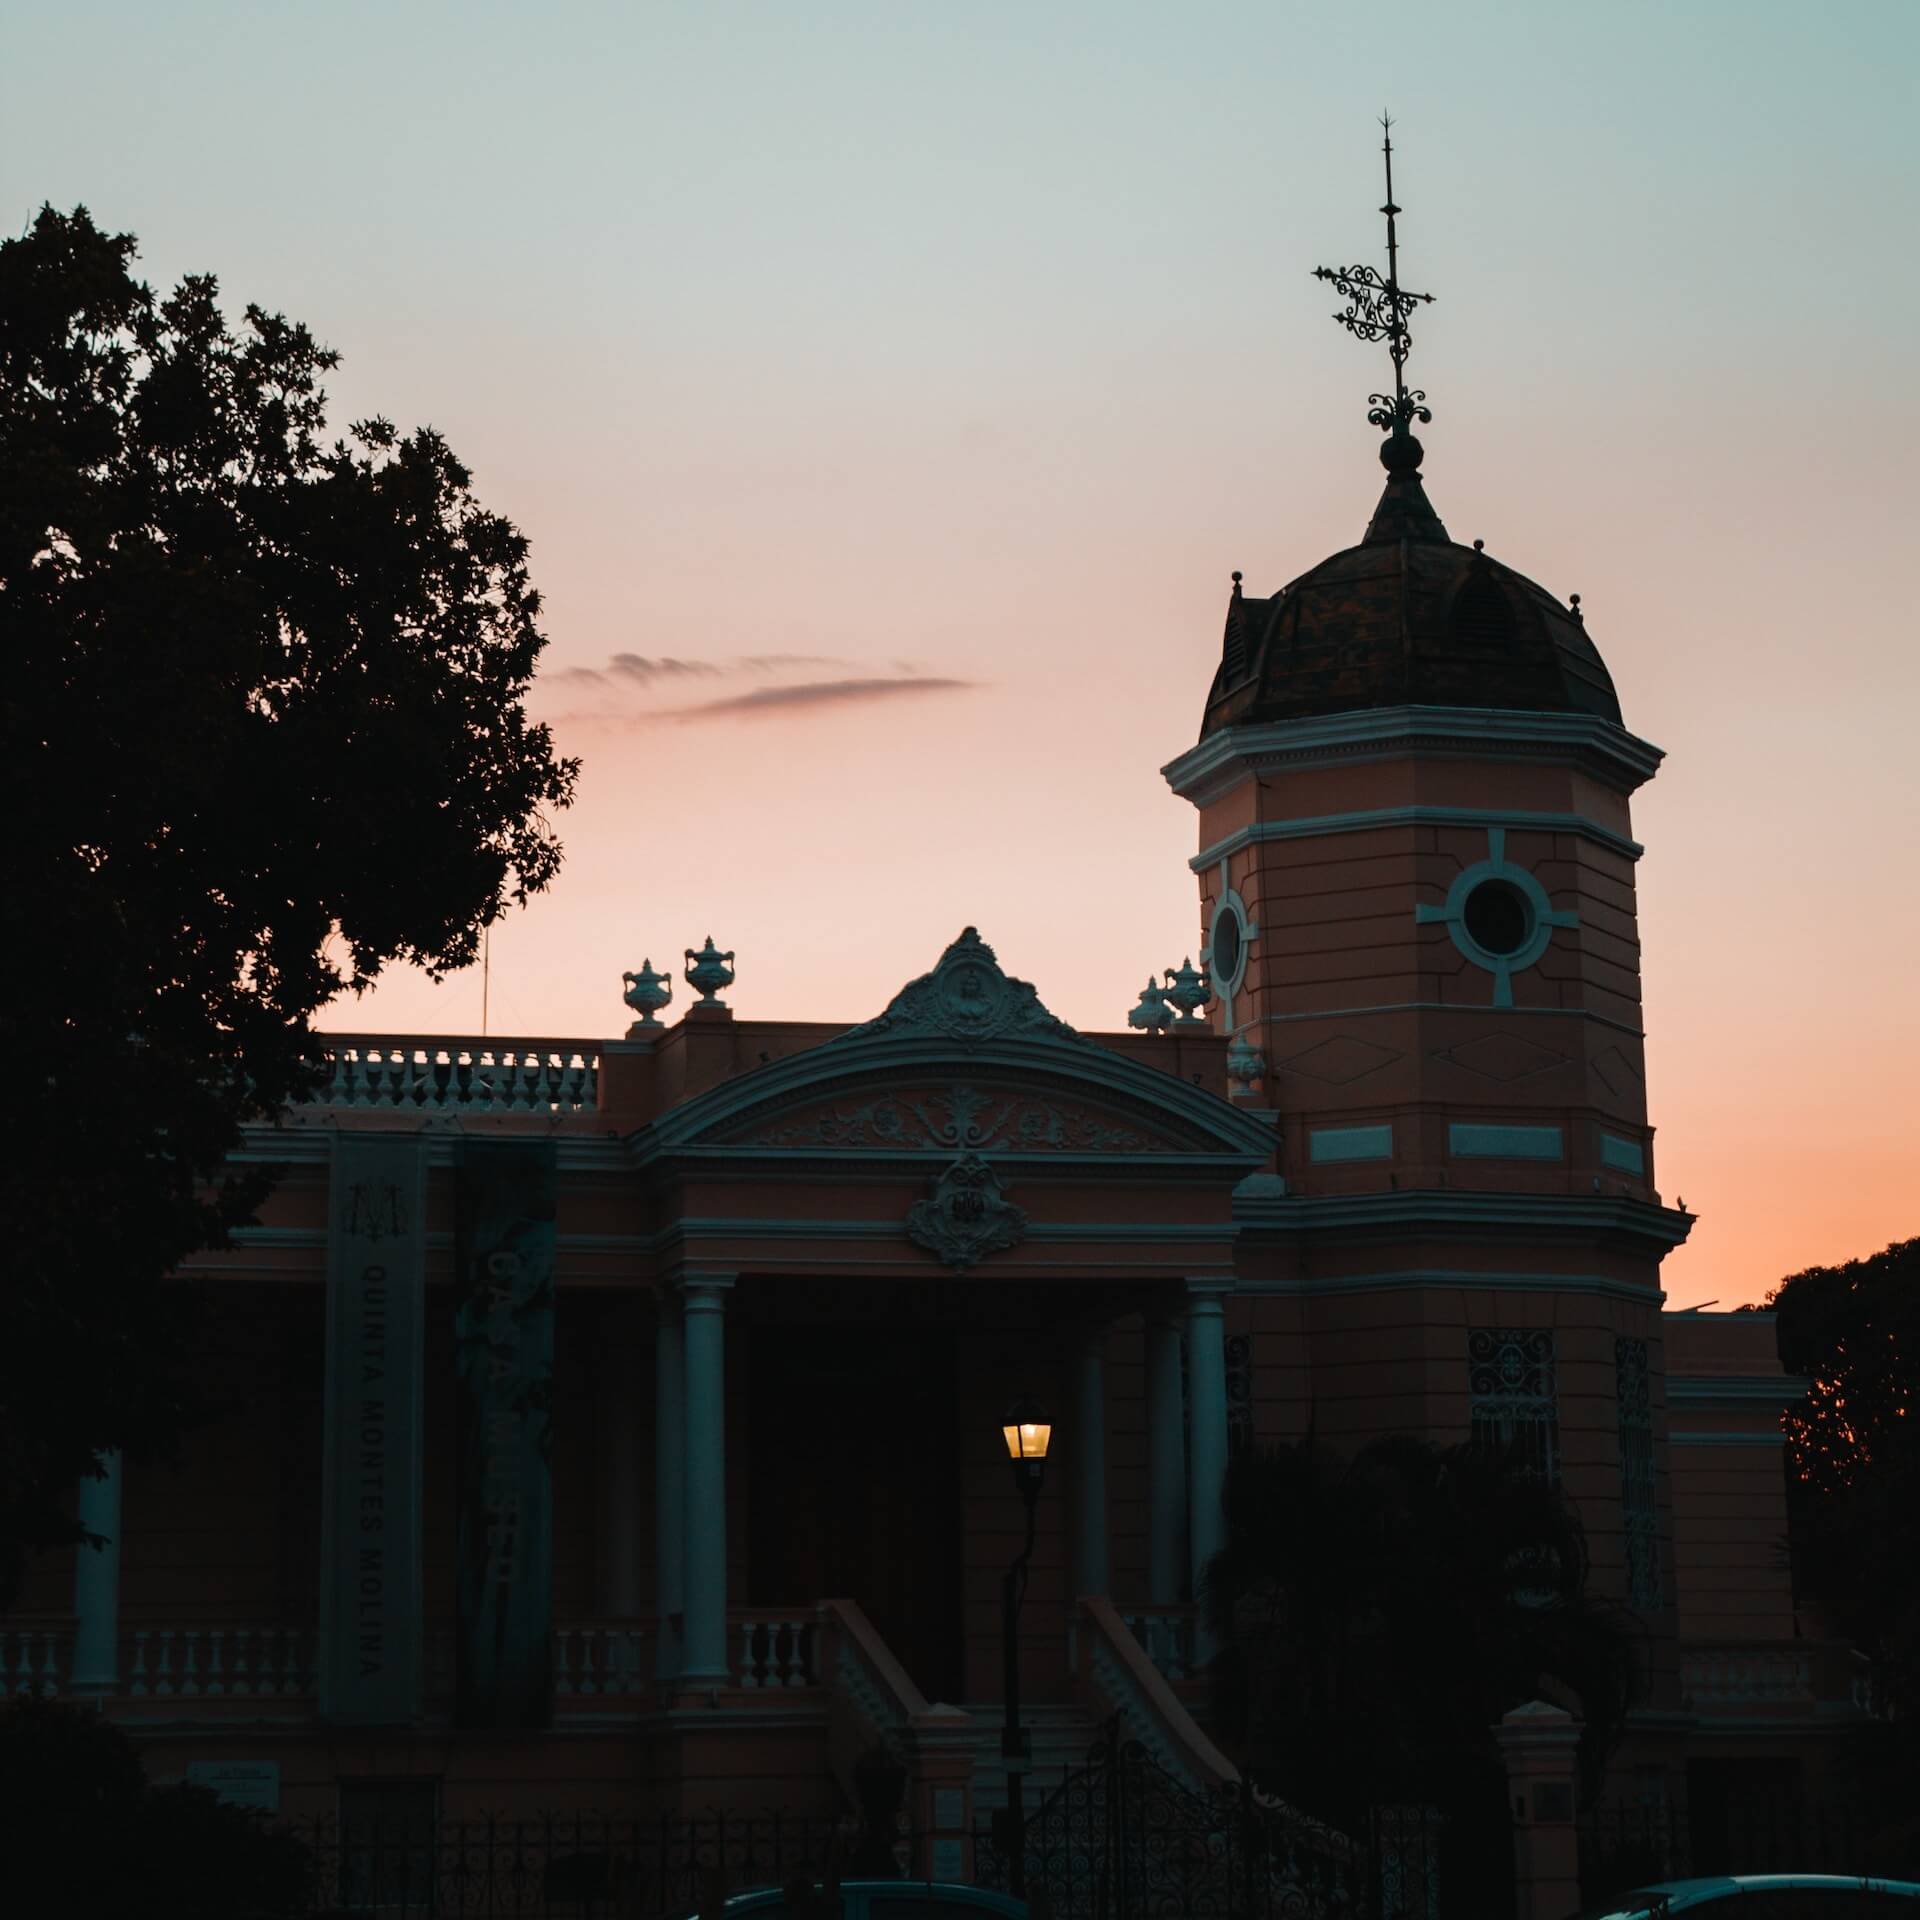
(1378, 1614)
(265, 735)
(1853, 1450)
(84, 1832)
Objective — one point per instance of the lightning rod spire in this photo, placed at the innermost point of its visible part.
(1379, 309)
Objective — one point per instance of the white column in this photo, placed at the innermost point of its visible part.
(96, 1585)
(703, 1564)
(1166, 1466)
(1206, 1431)
(1092, 1573)
(669, 1484)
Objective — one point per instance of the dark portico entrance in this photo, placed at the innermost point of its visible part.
(854, 1475)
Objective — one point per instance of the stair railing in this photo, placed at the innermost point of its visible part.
(1116, 1677)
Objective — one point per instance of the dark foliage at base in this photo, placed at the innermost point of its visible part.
(83, 1832)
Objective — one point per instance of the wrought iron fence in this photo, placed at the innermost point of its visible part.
(1121, 1838)
(1117, 1837)
(573, 1866)
(1625, 1846)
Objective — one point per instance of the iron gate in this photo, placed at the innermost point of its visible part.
(1122, 1838)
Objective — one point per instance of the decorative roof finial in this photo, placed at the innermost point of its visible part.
(1378, 309)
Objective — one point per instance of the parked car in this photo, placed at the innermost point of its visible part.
(887, 1900)
(1767, 1896)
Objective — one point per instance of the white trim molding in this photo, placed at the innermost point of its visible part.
(1373, 819)
(1222, 760)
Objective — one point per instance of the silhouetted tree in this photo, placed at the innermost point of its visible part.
(82, 1831)
(1853, 1488)
(264, 734)
(1378, 1613)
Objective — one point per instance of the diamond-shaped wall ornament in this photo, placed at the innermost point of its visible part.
(1616, 1072)
(1339, 1060)
(1503, 1057)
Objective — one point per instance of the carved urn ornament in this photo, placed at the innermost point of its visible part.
(708, 971)
(1245, 1062)
(1189, 990)
(1153, 1013)
(647, 992)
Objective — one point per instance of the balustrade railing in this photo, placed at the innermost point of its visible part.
(1748, 1676)
(777, 1648)
(774, 1647)
(508, 1076)
(1118, 1679)
(601, 1657)
(1166, 1634)
(34, 1660)
(211, 1663)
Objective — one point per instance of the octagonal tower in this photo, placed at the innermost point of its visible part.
(1416, 870)
(1416, 876)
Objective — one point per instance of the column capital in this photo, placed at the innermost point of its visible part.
(1207, 1292)
(703, 1286)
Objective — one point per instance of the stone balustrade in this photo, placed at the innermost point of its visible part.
(767, 1647)
(1749, 1676)
(396, 1073)
(210, 1663)
(34, 1660)
(775, 1647)
(1166, 1634)
(1115, 1677)
(600, 1657)
(771, 1647)
(162, 1663)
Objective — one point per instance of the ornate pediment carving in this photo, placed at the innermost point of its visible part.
(966, 1217)
(966, 998)
(960, 1118)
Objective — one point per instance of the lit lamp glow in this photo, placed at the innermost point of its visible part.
(1028, 1433)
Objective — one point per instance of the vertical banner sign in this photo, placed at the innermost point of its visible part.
(370, 1549)
(503, 1346)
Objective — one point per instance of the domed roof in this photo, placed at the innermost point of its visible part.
(1406, 618)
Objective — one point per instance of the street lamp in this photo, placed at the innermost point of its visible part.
(1027, 1431)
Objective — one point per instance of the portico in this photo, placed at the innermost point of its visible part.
(970, 1171)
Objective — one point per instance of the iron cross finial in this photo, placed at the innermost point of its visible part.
(1378, 309)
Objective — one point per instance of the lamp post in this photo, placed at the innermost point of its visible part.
(1027, 1431)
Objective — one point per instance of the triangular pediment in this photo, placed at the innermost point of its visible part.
(967, 999)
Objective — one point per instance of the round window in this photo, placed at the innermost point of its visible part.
(1226, 947)
(1499, 918)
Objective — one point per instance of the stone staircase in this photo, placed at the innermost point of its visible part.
(1060, 1736)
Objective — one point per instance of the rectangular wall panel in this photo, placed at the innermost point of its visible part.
(370, 1601)
(503, 1358)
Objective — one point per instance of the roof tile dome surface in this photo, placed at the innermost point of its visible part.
(1406, 618)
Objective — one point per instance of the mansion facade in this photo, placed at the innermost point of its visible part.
(616, 1423)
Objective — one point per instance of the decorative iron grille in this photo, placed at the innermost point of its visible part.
(1641, 1843)
(1121, 1838)
(1239, 1393)
(1514, 1396)
(1639, 1519)
(573, 1866)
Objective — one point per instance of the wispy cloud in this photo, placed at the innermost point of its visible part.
(641, 669)
(639, 689)
(817, 693)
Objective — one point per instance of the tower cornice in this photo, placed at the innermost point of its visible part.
(1221, 761)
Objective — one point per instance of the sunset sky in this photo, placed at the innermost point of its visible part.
(889, 390)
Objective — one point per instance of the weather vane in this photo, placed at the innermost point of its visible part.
(1378, 309)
